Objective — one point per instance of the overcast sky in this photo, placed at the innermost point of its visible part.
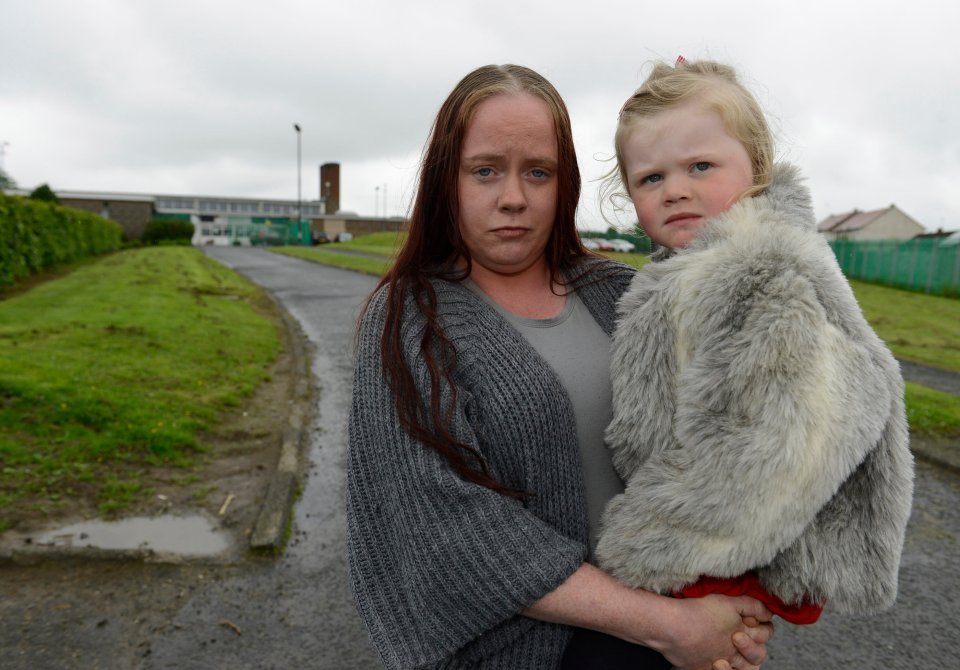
(199, 97)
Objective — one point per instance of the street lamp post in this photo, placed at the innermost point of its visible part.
(296, 127)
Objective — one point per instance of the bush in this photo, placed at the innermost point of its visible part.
(36, 236)
(44, 193)
(177, 231)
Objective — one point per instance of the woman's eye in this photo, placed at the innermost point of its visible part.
(702, 166)
(484, 172)
(538, 173)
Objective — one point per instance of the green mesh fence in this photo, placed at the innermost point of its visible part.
(262, 231)
(925, 264)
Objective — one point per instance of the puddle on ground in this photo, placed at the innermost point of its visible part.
(189, 535)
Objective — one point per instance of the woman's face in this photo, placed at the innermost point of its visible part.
(507, 185)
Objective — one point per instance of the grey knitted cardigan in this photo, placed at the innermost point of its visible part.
(439, 567)
(758, 420)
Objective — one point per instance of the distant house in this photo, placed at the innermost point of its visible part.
(890, 223)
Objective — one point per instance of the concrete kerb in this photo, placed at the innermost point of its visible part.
(269, 532)
(270, 529)
(941, 453)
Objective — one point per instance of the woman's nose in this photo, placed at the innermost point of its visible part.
(513, 198)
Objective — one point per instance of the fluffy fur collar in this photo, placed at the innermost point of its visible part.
(758, 420)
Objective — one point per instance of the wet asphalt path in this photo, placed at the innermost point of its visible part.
(297, 611)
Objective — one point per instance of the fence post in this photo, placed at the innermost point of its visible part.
(955, 284)
(913, 266)
(932, 269)
(893, 264)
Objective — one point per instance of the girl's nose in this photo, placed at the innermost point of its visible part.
(676, 188)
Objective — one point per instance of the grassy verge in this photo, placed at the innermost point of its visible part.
(116, 367)
(932, 413)
(370, 266)
(382, 244)
(916, 327)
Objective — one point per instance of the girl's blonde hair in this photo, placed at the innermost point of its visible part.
(718, 88)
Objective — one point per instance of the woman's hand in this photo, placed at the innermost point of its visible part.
(730, 632)
(715, 632)
(751, 646)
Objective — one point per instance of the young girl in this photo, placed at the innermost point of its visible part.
(758, 420)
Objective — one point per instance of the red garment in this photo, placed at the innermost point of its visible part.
(749, 585)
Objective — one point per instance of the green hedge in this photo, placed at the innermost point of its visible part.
(165, 229)
(36, 236)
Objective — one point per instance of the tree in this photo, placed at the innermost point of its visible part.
(6, 181)
(45, 194)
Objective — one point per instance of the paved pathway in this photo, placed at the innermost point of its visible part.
(935, 378)
(296, 611)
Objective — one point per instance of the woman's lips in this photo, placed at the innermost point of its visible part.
(509, 232)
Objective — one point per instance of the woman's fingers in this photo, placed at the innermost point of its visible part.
(753, 652)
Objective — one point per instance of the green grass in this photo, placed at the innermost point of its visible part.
(633, 260)
(116, 367)
(917, 327)
(382, 244)
(931, 412)
(370, 266)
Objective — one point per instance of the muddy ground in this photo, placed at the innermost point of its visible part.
(126, 603)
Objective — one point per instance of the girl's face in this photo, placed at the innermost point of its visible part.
(683, 168)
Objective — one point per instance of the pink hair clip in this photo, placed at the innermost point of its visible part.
(680, 61)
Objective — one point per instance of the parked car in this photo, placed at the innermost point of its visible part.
(605, 245)
(320, 237)
(590, 243)
(622, 245)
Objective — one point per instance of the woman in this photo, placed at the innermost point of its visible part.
(476, 453)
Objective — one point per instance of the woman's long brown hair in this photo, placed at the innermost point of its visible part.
(434, 245)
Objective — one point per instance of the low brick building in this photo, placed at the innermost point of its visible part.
(133, 212)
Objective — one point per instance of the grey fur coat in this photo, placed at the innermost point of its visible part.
(758, 420)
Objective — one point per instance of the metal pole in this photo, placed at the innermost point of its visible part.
(376, 201)
(296, 127)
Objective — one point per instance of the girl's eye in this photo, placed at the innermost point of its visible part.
(651, 179)
(702, 166)
(484, 172)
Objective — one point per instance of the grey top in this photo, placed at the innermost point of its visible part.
(440, 568)
(577, 349)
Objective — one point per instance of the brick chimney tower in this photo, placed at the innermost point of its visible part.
(330, 187)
